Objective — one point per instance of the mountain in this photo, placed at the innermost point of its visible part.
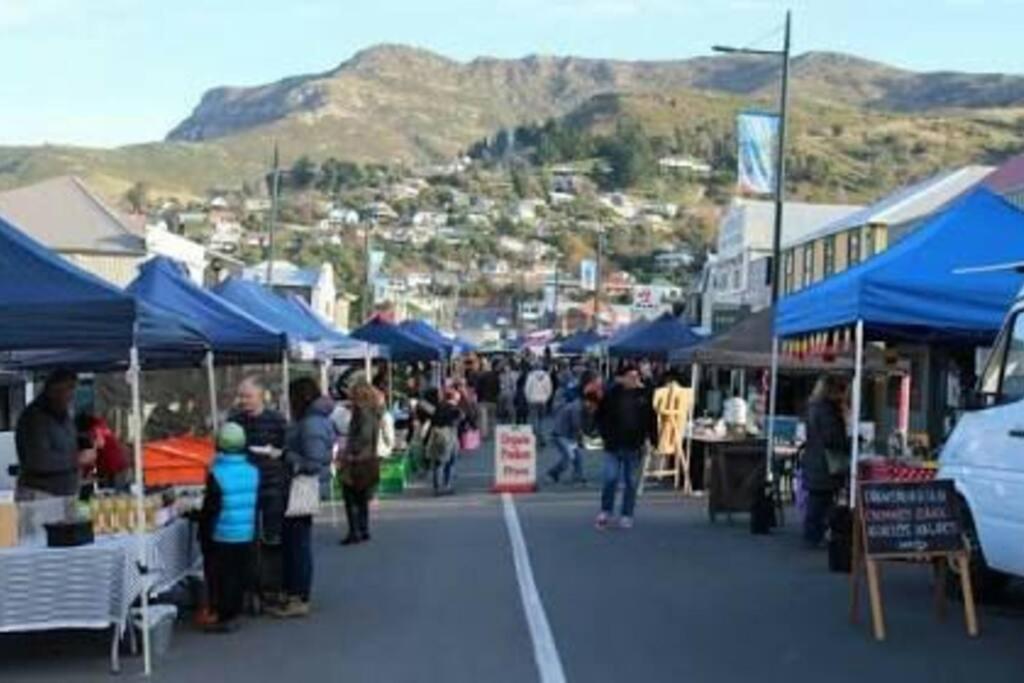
(393, 103)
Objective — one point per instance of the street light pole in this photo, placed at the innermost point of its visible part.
(275, 190)
(598, 276)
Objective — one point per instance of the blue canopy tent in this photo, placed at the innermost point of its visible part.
(336, 339)
(656, 339)
(51, 310)
(913, 290)
(578, 343)
(431, 335)
(402, 345)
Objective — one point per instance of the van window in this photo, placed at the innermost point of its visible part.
(1012, 385)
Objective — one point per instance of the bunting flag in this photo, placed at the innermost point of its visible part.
(757, 134)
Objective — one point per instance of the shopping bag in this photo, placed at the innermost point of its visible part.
(303, 496)
(470, 440)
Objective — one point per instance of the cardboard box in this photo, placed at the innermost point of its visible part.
(8, 520)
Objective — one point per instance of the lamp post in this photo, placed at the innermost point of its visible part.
(275, 191)
(780, 155)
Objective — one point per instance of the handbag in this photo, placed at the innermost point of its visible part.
(470, 440)
(837, 462)
(303, 496)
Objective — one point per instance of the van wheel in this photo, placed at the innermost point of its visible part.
(988, 584)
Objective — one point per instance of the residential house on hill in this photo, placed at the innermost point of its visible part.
(314, 285)
(1008, 180)
(832, 248)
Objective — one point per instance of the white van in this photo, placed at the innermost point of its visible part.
(984, 456)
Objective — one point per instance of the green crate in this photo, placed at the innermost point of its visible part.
(391, 486)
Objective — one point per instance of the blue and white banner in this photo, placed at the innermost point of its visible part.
(758, 135)
(588, 275)
(376, 263)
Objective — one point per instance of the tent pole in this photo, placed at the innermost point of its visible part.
(285, 381)
(772, 393)
(324, 376)
(211, 378)
(367, 364)
(135, 378)
(858, 371)
(695, 388)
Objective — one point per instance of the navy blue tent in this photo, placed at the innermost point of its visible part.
(329, 335)
(429, 334)
(577, 343)
(656, 339)
(912, 289)
(401, 344)
(232, 332)
(52, 312)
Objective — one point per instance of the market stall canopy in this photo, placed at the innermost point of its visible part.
(275, 312)
(911, 290)
(338, 340)
(232, 332)
(51, 312)
(656, 339)
(578, 343)
(401, 344)
(431, 335)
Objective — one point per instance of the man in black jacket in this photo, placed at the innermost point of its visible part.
(627, 422)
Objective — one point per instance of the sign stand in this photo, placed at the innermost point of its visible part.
(896, 523)
(515, 459)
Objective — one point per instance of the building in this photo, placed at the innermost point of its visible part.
(745, 236)
(338, 218)
(832, 248)
(64, 215)
(1008, 180)
(315, 285)
(684, 165)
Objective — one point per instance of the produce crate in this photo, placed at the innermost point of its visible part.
(394, 473)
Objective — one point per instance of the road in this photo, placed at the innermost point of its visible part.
(436, 597)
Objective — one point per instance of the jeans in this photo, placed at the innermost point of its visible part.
(570, 452)
(620, 465)
(357, 511)
(486, 418)
(444, 467)
(537, 413)
(297, 548)
(819, 505)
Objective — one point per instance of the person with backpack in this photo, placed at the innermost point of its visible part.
(228, 525)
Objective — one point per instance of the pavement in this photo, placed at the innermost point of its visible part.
(436, 596)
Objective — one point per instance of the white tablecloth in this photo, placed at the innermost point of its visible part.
(90, 586)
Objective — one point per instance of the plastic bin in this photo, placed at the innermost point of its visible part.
(161, 627)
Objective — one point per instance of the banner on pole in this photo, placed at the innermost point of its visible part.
(588, 275)
(758, 135)
(376, 263)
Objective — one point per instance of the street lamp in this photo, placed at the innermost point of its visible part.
(780, 165)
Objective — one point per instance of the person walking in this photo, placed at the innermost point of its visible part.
(443, 441)
(359, 464)
(826, 458)
(522, 406)
(538, 391)
(309, 447)
(568, 435)
(228, 526)
(488, 389)
(508, 380)
(627, 423)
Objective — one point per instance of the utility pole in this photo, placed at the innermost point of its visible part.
(598, 281)
(555, 299)
(367, 309)
(275, 190)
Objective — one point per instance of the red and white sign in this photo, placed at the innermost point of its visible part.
(515, 459)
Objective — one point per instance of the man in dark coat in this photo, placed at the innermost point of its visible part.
(826, 454)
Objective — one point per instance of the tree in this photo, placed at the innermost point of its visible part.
(302, 173)
(137, 197)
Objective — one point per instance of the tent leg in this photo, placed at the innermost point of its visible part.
(391, 386)
(324, 376)
(694, 387)
(858, 372)
(135, 378)
(211, 378)
(772, 393)
(285, 381)
(367, 365)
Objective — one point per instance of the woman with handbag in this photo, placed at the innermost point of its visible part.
(309, 446)
(826, 459)
(359, 464)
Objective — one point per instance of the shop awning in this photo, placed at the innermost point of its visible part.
(912, 289)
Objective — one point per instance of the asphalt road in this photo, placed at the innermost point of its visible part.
(435, 597)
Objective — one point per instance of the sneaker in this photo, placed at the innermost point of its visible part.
(553, 477)
(293, 609)
(601, 523)
(626, 523)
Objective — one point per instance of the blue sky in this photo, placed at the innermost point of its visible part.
(106, 72)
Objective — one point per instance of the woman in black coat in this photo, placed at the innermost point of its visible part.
(826, 454)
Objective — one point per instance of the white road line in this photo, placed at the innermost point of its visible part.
(549, 664)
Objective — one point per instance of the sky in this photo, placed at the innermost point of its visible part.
(112, 72)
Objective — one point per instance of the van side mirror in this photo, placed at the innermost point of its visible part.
(976, 400)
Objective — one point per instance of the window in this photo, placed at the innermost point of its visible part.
(853, 247)
(808, 275)
(830, 255)
(869, 246)
(1003, 378)
(787, 272)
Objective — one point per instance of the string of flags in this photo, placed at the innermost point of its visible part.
(826, 345)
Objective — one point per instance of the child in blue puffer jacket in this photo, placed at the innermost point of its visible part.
(228, 526)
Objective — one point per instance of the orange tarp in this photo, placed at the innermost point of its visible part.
(181, 460)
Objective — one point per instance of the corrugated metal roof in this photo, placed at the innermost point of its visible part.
(909, 203)
(285, 274)
(66, 216)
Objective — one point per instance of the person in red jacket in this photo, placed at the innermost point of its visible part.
(113, 466)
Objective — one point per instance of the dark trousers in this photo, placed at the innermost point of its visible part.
(819, 505)
(297, 549)
(231, 565)
(357, 510)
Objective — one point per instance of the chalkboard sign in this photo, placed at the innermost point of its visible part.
(911, 518)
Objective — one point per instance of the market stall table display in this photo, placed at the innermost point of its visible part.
(91, 586)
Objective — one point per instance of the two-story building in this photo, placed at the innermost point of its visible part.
(814, 256)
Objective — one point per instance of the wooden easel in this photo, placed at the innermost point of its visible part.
(673, 408)
(862, 562)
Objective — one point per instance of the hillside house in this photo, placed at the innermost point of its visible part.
(686, 165)
(315, 286)
(429, 220)
(379, 213)
(339, 218)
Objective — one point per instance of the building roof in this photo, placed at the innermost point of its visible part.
(1009, 177)
(909, 203)
(285, 274)
(799, 219)
(66, 216)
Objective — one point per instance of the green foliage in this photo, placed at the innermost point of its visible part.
(137, 197)
(302, 173)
